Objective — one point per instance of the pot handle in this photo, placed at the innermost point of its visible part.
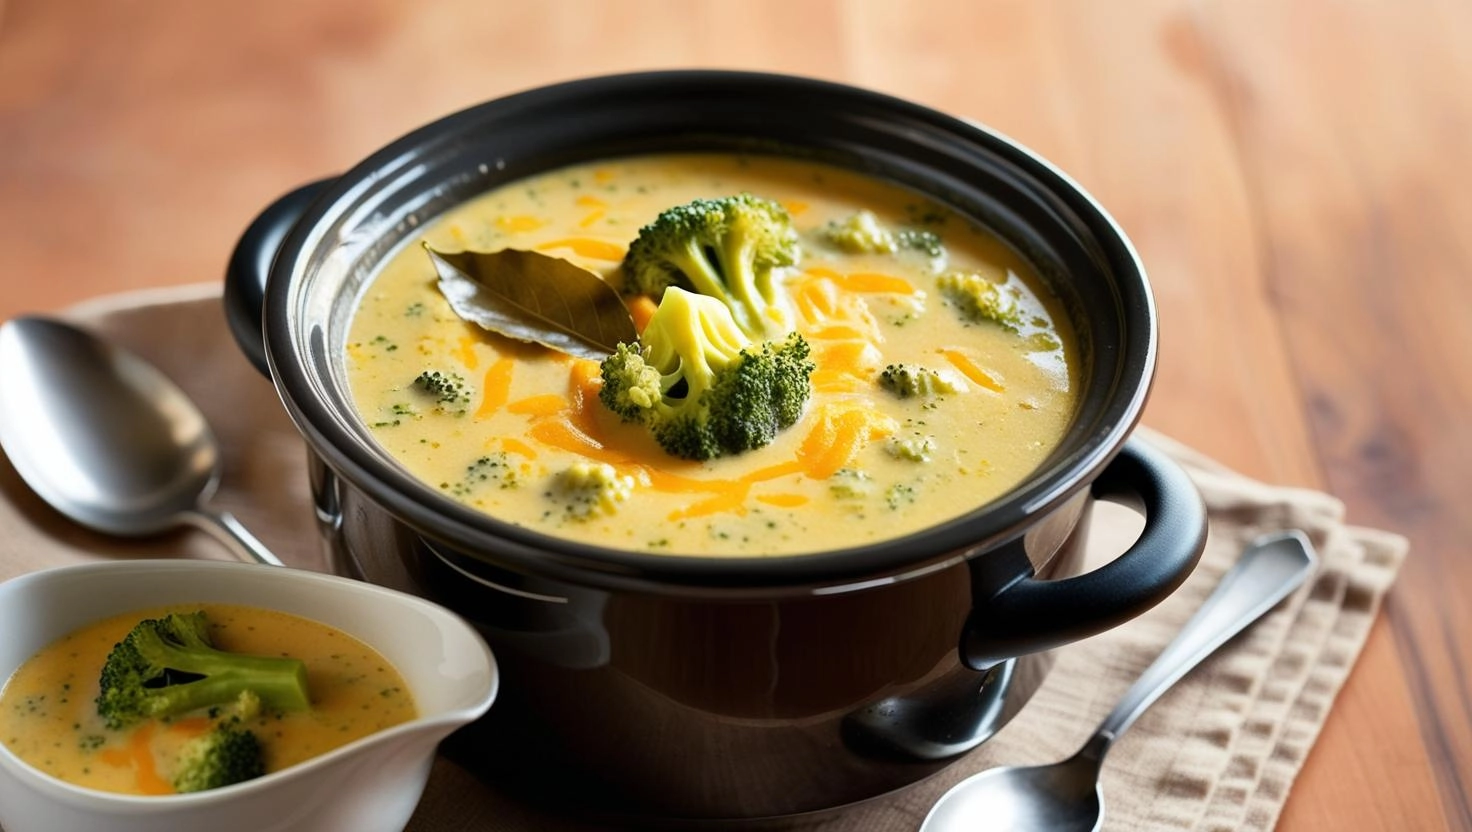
(1031, 615)
(250, 264)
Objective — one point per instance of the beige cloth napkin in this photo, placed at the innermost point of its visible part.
(1218, 752)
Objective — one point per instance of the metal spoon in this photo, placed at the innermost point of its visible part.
(1066, 796)
(107, 439)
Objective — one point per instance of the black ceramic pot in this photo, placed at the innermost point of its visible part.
(687, 688)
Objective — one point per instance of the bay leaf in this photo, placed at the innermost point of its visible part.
(530, 296)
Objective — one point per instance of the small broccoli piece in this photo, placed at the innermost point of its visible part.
(492, 469)
(899, 495)
(246, 706)
(859, 233)
(449, 390)
(926, 242)
(702, 387)
(588, 489)
(916, 448)
(850, 484)
(978, 298)
(226, 754)
(631, 387)
(907, 381)
(167, 666)
(724, 248)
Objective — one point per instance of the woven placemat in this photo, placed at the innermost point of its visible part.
(1218, 752)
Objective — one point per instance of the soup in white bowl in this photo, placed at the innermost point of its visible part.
(371, 784)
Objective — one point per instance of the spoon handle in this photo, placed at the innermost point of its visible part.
(224, 526)
(1267, 572)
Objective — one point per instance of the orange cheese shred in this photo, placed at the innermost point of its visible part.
(846, 366)
(782, 500)
(584, 380)
(817, 299)
(584, 377)
(465, 351)
(830, 382)
(641, 308)
(496, 388)
(549, 404)
(733, 501)
(559, 432)
(772, 472)
(856, 357)
(832, 305)
(519, 224)
(873, 283)
(512, 445)
(837, 436)
(969, 369)
(138, 755)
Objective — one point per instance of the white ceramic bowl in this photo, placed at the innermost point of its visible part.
(368, 785)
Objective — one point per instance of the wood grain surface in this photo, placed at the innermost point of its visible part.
(1296, 175)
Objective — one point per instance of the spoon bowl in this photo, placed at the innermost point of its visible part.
(1059, 797)
(1066, 796)
(107, 439)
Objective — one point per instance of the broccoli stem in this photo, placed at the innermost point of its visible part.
(280, 683)
(691, 260)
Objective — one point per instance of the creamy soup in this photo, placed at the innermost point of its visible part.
(861, 465)
(48, 715)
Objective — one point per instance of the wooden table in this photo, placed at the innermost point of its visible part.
(1296, 175)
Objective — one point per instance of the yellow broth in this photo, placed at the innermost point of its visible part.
(834, 479)
(49, 719)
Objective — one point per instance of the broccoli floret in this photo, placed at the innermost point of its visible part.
(702, 387)
(926, 242)
(494, 469)
(724, 248)
(763, 394)
(899, 495)
(908, 380)
(850, 484)
(226, 754)
(167, 666)
(861, 233)
(449, 390)
(631, 386)
(588, 489)
(916, 448)
(978, 298)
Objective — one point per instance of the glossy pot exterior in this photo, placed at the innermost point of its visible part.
(636, 704)
(690, 688)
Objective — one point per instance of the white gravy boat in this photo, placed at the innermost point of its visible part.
(371, 784)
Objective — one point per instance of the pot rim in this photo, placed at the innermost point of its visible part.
(480, 536)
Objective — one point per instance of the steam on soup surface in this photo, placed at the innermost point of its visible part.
(48, 715)
(861, 465)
